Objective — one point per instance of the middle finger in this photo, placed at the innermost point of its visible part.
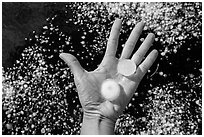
(132, 40)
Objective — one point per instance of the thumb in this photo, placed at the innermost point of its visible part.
(73, 63)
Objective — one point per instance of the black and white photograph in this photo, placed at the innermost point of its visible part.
(101, 68)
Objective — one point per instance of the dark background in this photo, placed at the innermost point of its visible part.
(18, 22)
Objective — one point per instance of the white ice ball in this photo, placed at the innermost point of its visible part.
(126, 67)
(110, 89)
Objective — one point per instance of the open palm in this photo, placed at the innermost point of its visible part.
(89, 83)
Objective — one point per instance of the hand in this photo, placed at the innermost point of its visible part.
(89, 83)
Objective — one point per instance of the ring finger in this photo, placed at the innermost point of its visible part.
(140, 53)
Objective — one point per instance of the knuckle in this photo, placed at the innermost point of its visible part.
(73, 61)
(145, 67)
(112, 41)
(131, 44)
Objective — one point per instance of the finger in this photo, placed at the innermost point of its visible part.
(113, 39)
(73, 63)
(132, 40)
(146, 64)
(140, 53)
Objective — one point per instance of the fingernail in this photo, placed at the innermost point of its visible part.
(118, 20)
(142, 23)
(62, 56)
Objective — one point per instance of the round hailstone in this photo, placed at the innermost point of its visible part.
(126, 67)
(110, 89)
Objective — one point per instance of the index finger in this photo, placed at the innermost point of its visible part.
(113, 38)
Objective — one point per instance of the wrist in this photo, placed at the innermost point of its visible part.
(97, 124)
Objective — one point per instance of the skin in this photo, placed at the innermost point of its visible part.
(100, 114)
